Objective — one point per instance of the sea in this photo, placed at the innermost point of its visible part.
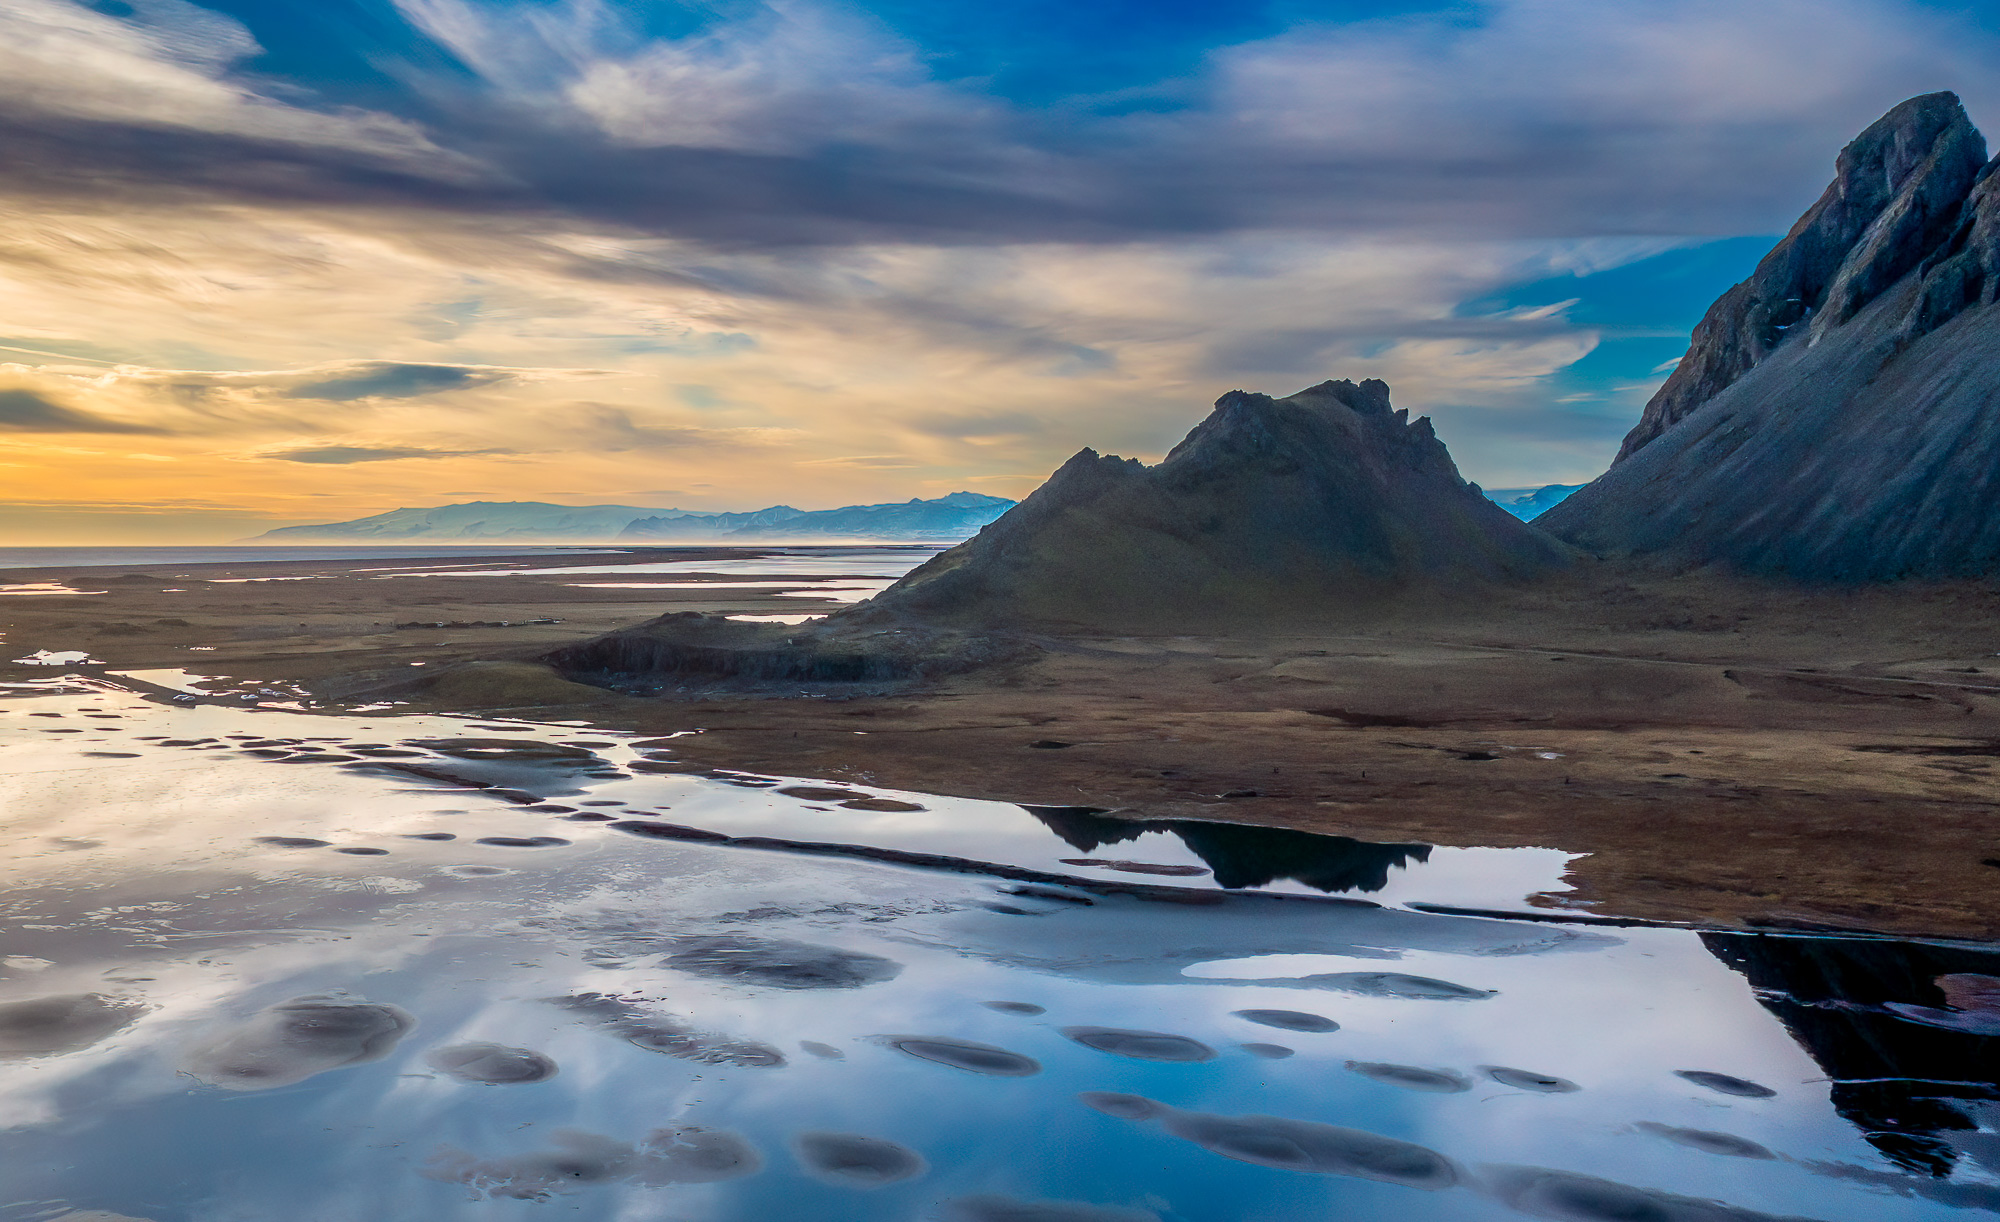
(141, 557)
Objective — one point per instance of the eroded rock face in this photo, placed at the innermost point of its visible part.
(1896, 197)
(1833, 420)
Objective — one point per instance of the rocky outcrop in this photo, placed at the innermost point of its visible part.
(1838, 416)
(1897, 192)
(1302, 506)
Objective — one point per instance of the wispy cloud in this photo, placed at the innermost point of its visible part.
(26, 411)
(344, 455)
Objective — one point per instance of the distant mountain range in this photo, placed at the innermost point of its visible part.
(947, 517)
(1528, 504)
(944, 518)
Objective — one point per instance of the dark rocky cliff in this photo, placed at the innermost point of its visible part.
(1838, 415)
(1896, 192)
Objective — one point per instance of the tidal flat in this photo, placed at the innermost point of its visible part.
(262, 960)
(1720, 753)
(329, 898)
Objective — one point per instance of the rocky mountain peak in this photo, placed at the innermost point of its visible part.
(1323, 500)
(1834, 418)
(1900, 190)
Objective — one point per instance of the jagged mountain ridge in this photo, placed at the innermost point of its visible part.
(1322, 500)
(947, 517)
(1838, 415)
(1897, 189)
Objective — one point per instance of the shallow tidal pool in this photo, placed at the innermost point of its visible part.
(262, 963)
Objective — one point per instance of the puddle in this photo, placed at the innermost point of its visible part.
(65, 657)
(885, 563)
(265, 964)
(32, 589)
(856, 590)
(185, 682)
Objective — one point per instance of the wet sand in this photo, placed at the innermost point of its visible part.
(1729, 754)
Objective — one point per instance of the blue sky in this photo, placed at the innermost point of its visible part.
(725, 254)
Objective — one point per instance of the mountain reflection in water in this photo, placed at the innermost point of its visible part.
(1914, 1089)
(1244, 856)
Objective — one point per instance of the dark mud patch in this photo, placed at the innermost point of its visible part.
(492, 1064)
(1027, 1009)
(66, 1022)
(1288, 1020)
(778, 964)
(667, 1034)
(965, 1054)
(1724, 1084)
(1387, 984)
(1269, 1052)
(1707, 1141)
(683, 1155)
(854, 1161)
(1412, 1077)
(295, 1039)
(1137, 867)
(1292, 1145)
(1525, 1079)
(1141, 1045)
(883, 805)
(1569, 1197)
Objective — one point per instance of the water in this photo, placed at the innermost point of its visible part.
(143, 557)
(291, 955)
(887, 561)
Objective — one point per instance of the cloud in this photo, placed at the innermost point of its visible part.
(343, 455)
(26, 411)
(394, 380)
(610, 429)
(154, 81)
(992, 424)
(813, 123)
(777, 232)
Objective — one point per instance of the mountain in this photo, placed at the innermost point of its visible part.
(1294, 506)
(1528, 504)
(519, 521)
(1272, 510)
(946, 517)
(1835, 417)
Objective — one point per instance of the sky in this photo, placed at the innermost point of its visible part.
(278, 261)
